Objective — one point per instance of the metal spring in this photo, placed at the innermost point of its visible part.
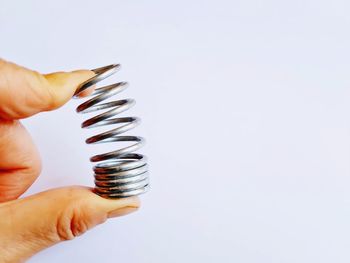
(119, 173)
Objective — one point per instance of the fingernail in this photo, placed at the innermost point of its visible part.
(122, 211)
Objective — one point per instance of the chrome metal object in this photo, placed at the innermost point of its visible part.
(122, 172)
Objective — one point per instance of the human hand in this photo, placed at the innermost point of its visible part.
(29, 225)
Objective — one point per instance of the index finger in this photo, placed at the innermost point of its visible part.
(24, 92)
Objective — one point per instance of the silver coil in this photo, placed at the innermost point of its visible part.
(122, 172)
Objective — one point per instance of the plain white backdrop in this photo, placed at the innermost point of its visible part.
(245, 106)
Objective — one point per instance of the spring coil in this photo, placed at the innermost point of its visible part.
(119, 173)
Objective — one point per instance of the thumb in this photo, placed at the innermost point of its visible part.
(32, 224)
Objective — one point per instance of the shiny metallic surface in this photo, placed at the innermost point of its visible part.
(121, 172)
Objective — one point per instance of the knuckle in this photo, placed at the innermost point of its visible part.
(72, 224)
(70, 227)
(77, 217)
(78, 226)
(63, 228)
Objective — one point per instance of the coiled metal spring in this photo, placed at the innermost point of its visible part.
(119, 173)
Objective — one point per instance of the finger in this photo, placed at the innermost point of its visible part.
(32, 224)
(72, 79)
(20, 161)
(24, 92)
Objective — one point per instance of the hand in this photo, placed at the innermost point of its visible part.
(34, 223)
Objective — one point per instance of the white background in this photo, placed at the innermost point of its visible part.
(245, 105)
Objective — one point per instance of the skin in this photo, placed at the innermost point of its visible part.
(29, 225)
